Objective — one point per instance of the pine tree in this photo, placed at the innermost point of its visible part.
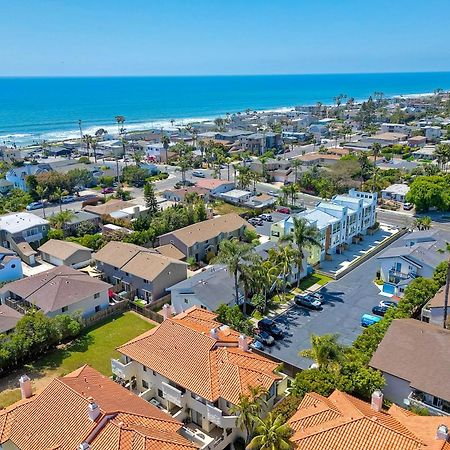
(150, 198)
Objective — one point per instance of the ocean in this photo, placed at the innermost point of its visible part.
(34, 109)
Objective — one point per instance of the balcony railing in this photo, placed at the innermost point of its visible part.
(417, 399)
(215, 416)
(401, 275)
(124, 371)
(172, 394)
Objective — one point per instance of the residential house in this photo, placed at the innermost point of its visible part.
(426, 153)
(415, 255)
(56, 291)
(207, 289)
(179, 195)
(396, 192)
(274, 169)
(141, 271)
(259, 143)
(236, 196)
(10, 265)
(170, 251)
(311, 159)
(197, 368)
(215, 187)
(19, 230)
(433, 311)
(385, 139)
(321, 127)
(261, 201)
(18, 175)
(80, 219)
(417, 141)
(8, 319)
(86, 410)
(156, 151)
(415, 362)
(201, 240)
(433, 133)
(343, 422)
(5, 186)
(64, 253)
(118, 209)
(395, 128)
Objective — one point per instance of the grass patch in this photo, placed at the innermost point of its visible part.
(315, 278)
(96, 346)
(9, 397)
(257, 315)
(225, 208)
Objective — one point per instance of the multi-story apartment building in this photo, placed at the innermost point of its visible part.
(196, 369)
(338, 222)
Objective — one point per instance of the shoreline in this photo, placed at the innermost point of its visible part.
(28, 139)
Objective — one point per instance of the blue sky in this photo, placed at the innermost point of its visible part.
(191, 37)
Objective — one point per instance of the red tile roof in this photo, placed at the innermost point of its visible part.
(343, 422)
(183, 350)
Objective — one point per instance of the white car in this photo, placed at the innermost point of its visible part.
(198, 173)
(273, 193)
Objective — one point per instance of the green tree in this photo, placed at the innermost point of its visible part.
(58, 195)
(376, 150)
(234, 318)
(303, 235)
(325, 351)
(41, 191)
(234, 255)
(272, 433)
(150, 198)
(440, 273)
(60, 219)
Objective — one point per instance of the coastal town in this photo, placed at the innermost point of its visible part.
(264, 280)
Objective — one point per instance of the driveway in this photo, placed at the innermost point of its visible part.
(346, 300)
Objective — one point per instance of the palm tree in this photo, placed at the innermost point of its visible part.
(423, 223)
(376, 149)
(303, 235)
(273, 433)
(120, 121)
(245, 411)
(58, 194)
(244, 177)
(235, 255)
(325, 351)
(41, 191)
(255, 177)
(165, 140)
(285, 257)
(60, 219)
(296, 163)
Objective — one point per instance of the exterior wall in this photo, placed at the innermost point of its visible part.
(11, 270)
(86, 306)
(33, 234)
(396, 389)
(178, 272)
(221, 189)
(181, 302)
(172, 239)
(81, 258)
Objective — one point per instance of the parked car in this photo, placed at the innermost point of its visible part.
(368, 319)
(256, 221)
(107, 190)
(258, 345)
(198, 173)
(316, 295)
(388, 303)
(307, 301)
(273, 193)
(284, 210)
(35, 205)
(408, 206)
(266, 217)
(379, 310)
(68, 199)
(264, 337)
(271, 327)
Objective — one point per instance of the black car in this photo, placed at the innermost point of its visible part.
(380, 310)
(264, 338)
(308, 301)
(271, 327)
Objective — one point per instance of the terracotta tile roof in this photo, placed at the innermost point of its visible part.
(58, 418)
(342, 422)
(210, 183)
(55, 288)
(410, 350)
(209, 229)
(183, 350)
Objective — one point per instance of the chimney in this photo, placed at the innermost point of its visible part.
(442, 433)
(84, 446)
(25, 386)
(167, 311)
(93, 410)
(243, 344)
(377, 401)
(213, 333)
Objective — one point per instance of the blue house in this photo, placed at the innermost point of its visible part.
(18, 175)
(10, 265)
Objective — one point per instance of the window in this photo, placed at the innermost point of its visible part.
(64, 308)
(144, 368)
(13, 266)
(160, 393)
(97, 295)
(146, 281)
(144, 384)
(186, 300)
(97, 308)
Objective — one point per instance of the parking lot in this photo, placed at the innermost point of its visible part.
(264, 230)
(345, 301)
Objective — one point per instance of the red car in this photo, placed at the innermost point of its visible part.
(284, 210)
(107, 190)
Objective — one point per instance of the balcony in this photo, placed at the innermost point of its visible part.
(173, 395)
(396, 274)
(205, 440)
(215, 416)
(438, 407)
(122, 370)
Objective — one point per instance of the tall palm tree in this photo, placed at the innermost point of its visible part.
(285, 257)
(325, 351)
(59, 220)
(296, 163)
(165, 140)
(120, 121)
(303, 235)
(376, 149)
(255, 177)
(273, 433)
(245, 411)
(58, 194)
(235, 255)
(41, 191)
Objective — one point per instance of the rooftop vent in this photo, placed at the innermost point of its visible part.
(442, 433)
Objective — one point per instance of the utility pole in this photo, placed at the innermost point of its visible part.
(447, 287)
(81, 135)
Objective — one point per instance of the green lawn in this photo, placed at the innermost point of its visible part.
(222, 208)
(9, 397)
(96, 346)
(315, 278)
